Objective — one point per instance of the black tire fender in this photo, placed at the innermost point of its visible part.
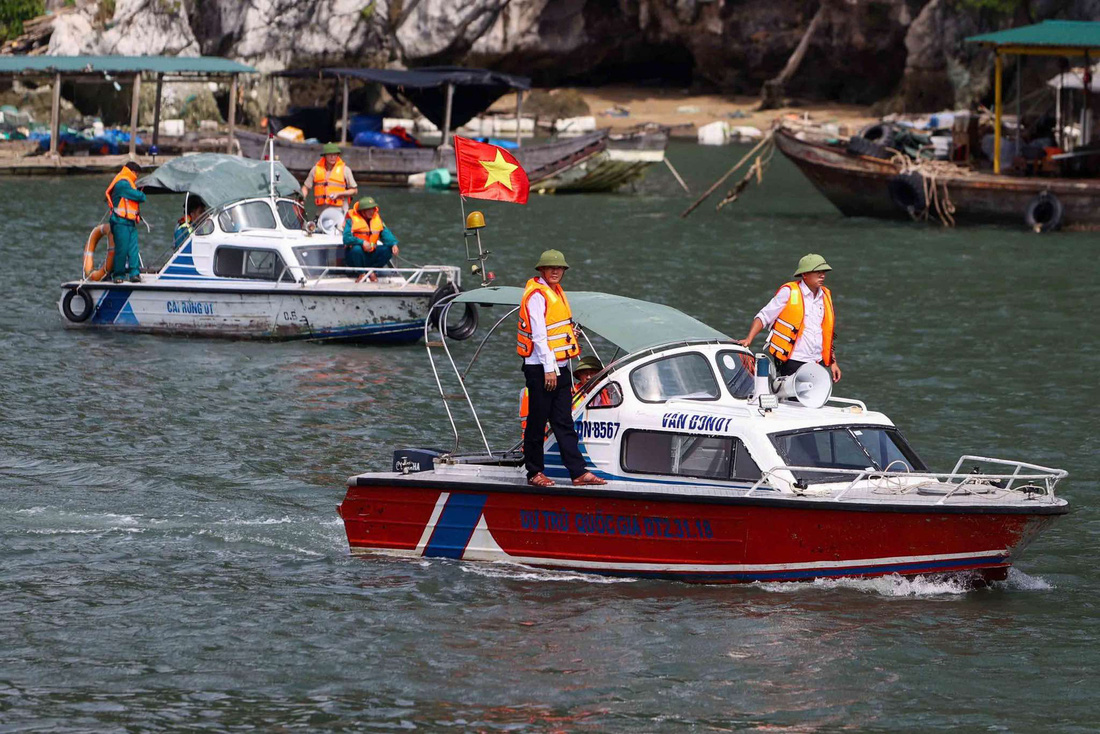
(1044, 213)
(67, 306)
(907, 193)
(466, 327)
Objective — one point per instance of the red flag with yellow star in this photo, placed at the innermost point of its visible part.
(488, 172)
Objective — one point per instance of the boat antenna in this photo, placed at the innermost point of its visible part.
(271, 163)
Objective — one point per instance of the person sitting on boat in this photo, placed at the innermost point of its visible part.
(368, 243)
(124, 201)
(333, 183)
(586, 369)
(547, 340)
(801, 319)
(196, 207)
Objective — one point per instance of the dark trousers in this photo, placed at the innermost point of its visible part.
(555, 406)
(789, 367)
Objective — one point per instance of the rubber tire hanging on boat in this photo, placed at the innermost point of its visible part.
(1044, 213)
(466, 327)
(67, 306)
(907, 193)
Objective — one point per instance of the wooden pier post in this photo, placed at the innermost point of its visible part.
(445, 143)
(344, 132)
(997, 110)
(156, 109)
(519, 108)
(55, 114)
(232, 113)
(134, 114)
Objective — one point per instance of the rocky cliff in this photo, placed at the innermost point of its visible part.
(865, 50)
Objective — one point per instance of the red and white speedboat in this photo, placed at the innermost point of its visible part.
(714, 475)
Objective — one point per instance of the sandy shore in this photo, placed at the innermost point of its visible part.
(686, 112)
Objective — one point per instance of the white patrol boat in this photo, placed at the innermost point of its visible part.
(253, 267)
(715, 473)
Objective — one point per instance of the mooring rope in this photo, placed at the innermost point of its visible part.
(934, 177)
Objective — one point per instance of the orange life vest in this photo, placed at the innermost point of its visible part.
(560, 335)
(788, 325)
(126, 209)
(367, 231)
(326, 184)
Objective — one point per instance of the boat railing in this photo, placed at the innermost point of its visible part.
(1040, 480)
(409, 276)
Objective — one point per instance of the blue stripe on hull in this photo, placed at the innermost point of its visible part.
(109, 307)
(455, 525)
(405, 331)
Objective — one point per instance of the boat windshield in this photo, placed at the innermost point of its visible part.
(734, 370)
(318, 257)
(291, 214)
(848, 447)
(249, 215)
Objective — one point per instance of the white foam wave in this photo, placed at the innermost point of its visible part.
(894, 585)
(519, 572)
(1020, 581)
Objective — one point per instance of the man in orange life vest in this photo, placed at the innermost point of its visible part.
(124, 201)
(801, 319)
(546, 341)
(368, 243)
(332, 181)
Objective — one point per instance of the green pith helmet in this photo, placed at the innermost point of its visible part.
(812, 264)
(590, 362)
(552, 259)
(330, 148)
(367, 202)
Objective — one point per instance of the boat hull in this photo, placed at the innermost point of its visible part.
(858, 186)
(250, 313)
(694, 539)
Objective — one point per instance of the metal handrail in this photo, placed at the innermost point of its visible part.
(414, 274)
(444, 305)
(1048, 476)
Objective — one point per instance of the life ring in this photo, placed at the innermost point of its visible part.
(466, 327)
(90, 270)
(907, 193)
(1044, 213)
(67, 306)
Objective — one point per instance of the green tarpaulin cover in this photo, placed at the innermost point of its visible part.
(218, 178)
(1061, 33)
(628, 323)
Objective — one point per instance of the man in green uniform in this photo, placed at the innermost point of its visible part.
(368, 242)
(124, 199)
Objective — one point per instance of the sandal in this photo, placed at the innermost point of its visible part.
(588, 478)
(540, 480)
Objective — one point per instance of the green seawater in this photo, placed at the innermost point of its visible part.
(171, 558)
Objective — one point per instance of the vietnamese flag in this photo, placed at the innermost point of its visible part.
(488, 172)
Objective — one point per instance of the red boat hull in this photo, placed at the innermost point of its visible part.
(694, 539)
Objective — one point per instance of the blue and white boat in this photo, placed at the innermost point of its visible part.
(253, 267)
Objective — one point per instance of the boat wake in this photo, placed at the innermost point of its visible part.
(518, 572)
(916, 586)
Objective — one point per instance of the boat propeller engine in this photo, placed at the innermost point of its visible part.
(811, 385)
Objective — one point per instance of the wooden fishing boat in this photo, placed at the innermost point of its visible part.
(863, 186)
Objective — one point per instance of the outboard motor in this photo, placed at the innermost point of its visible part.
(409, 461)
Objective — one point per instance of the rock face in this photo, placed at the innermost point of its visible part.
(864, 51)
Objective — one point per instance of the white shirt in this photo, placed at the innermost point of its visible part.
(807, 345)
(542, 354)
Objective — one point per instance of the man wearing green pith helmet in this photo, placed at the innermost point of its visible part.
(801, 319)
(368, 242)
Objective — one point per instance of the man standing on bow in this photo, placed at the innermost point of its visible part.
(801, 319)
(547, 340)
(124, 201)
(333, 183)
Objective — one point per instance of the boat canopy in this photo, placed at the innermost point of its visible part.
(219, 179)
(628, 323)
(426, 88)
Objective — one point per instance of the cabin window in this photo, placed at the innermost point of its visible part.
(316, 258)
(241, 262)
(735, 373)
(854, 448)
(609, 396)
(249, 215)
(206, 227)
(685, 376)
(687, 455)
(291, 214)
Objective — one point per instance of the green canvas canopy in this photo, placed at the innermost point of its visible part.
(202, 65)
(628, 323)
(219, 179)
